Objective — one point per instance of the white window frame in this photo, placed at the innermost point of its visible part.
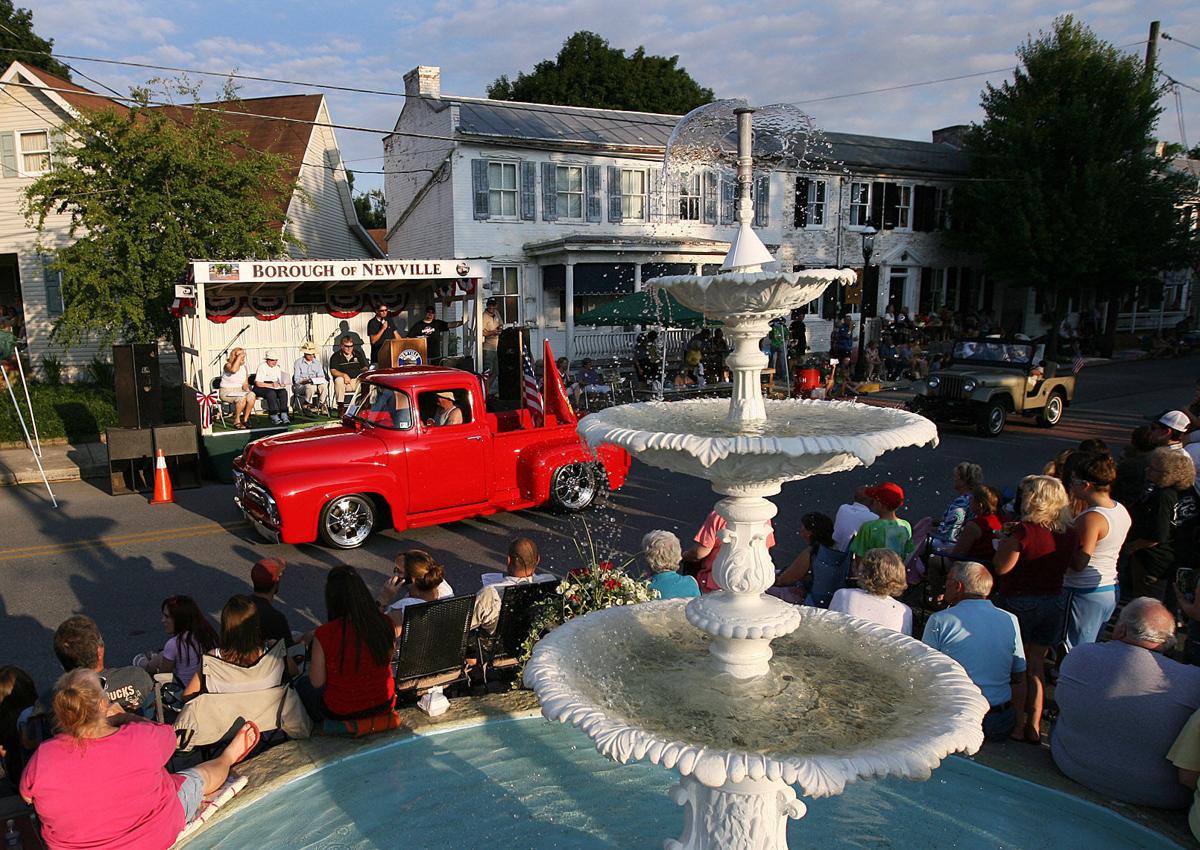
(628, 197)
(496, 193)
(21, 153)
(691, 191)
(941, 207)
(863, 203)
(813, 203)
(562, 197)
(904, 210)
(506, 289)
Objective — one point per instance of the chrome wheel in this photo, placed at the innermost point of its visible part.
(573, 487)
(1052, 413)
(347, 521)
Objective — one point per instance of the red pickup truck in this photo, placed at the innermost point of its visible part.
(388, 463)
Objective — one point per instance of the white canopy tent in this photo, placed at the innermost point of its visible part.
(277, 305)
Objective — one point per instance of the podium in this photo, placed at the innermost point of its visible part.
(405, 351)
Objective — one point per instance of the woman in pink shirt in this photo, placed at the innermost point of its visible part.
(102, 783)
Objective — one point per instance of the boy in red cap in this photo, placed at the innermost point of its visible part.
(887, 532)
(265, 575)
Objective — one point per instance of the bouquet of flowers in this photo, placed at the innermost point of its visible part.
(600, 583)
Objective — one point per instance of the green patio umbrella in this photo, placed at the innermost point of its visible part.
(648, 307)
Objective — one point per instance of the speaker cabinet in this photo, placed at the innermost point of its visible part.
(513, 343)
(130, 460)
(181, 447)
(138, 386)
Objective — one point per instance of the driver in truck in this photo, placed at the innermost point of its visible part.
(448, 413)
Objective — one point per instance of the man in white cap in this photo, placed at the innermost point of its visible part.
(448, 412)
(270, 387)
(1174, 423)
(310, 381)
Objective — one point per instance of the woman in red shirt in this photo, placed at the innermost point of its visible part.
(103, 783)
(974, 542)
(1030, 564)
(351, 666)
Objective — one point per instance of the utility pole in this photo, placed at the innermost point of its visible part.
(1152, 49)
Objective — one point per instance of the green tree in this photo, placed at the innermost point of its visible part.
(370, 206)
(16, 34)
(587, 72)
(148, 189)
(1069, 195)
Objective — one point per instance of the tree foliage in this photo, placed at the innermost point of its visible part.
(147, 190)
(16, 33)
(1069, 193)
(370, 206)
(588, 72)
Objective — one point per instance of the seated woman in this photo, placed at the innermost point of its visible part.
(663, 554)
(350, 671)
(814, 575)
(18, 703)
(102, 782)
(190, 637)
(881, 577)
(250, 664)
(423, 578)
(975, 541)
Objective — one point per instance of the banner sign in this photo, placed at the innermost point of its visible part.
(293, 271)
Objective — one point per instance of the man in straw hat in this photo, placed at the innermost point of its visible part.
(310, 381)
(448, 411)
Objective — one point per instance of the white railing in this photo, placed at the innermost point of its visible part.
(606, 344)
(1149, 320)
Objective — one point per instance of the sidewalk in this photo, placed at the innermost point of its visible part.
(62, 462)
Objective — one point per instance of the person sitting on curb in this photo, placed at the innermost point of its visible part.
(663, 555)
(520, 568)
(79, 644)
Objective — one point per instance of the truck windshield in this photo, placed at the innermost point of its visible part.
(381, 406)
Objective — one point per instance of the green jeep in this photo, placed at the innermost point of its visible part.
(989, 379)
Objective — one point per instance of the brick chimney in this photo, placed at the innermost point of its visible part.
(952, 135)
(423, 81)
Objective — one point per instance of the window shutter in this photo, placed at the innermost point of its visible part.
(479, 187)
(728, 199)
(876, 206)
(671, 187)
(762, 200)
(800, 217)
(528, 191)
(923, 208)
(8, 155)
(594, 204)
(549, 192)
(654, 190)
(614, 193)
(711, 187)
(53, 281)
(925, 303)
(891, 206)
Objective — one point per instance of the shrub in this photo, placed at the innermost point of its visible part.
(101, 372)
(52, 370)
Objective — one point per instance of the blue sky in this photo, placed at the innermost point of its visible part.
(769, 51)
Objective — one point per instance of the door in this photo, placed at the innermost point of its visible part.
(448, 465)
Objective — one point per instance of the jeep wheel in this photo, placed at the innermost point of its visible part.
(992, 420)
(347, 521)
(1052, 413)
(573, 487)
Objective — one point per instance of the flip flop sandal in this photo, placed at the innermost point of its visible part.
(256, 738)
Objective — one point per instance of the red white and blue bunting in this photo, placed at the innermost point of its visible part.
(344, 305)
(395, 301)
(182, 306)
(206, 401)
(268, 308)
(221, 310)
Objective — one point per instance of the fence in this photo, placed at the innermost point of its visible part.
(612, 344)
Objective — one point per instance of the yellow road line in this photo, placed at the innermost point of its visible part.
(116, 540)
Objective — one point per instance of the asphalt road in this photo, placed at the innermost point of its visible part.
(116, 558)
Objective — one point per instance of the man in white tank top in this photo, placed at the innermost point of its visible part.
(1090, 586)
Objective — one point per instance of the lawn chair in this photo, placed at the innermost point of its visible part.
(432, 650)
(500, 650)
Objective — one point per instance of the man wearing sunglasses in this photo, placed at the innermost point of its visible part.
(346, 364)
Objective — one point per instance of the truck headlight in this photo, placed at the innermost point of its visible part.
(933, 382)
(969, 385)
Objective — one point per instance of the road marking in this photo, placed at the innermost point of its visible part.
(116, 540)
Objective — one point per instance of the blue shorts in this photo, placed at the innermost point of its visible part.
(1087, 612)
(1040, 617)
(191, 793)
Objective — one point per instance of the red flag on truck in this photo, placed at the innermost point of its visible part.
(553, 389)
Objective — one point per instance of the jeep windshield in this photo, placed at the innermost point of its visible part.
(381, 406)
(986, 352)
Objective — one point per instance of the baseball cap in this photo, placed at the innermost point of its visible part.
(890, 495)
(1176, 420)
(266, 573)
(271, 355)
(491, 302)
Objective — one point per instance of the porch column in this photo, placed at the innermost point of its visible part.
(569, 286)
(637, 277)
(699, 270)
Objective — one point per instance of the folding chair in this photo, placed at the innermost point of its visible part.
(500, 650)
(432, 650)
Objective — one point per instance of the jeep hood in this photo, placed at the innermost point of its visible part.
(330, 445)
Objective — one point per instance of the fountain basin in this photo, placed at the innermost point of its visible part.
(845, 699)
(754, 295)
(799, 438)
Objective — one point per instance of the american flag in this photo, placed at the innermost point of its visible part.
(533, 396)
(1077, 362)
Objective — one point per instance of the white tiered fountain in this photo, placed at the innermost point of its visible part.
(842, 699)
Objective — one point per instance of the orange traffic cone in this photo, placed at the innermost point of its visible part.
(163, 493)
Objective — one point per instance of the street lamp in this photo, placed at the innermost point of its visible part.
(868, 248)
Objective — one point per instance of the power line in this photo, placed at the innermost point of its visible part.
(1180, 41)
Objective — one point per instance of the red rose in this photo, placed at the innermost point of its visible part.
(606, 565)
(611, 584)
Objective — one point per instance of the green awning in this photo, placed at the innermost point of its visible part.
(648, 307)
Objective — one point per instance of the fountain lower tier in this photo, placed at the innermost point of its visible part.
(843, 699)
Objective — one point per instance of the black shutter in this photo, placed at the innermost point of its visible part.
(479, 187)
(923, 208)
(762, 200)
(594, 204)
(728, 200)
(800, 218)
(614, 193)
(891, 206)
(876, 206)
(549, 192)
(711, 188)
(528, 191)
(925, 296)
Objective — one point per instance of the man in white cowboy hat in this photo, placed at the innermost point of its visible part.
(448, 411)
(310, 381)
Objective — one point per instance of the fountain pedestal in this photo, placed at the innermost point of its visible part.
(748, 815)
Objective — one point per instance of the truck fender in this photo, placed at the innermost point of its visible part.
(302, 496)
(537, 464)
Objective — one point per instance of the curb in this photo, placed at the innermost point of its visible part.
(53, 475)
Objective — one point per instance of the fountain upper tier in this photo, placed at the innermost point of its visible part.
(756, 297)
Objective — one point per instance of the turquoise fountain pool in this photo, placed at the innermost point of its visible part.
(532, 784)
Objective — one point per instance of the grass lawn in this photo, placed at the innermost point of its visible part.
(79, 412)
